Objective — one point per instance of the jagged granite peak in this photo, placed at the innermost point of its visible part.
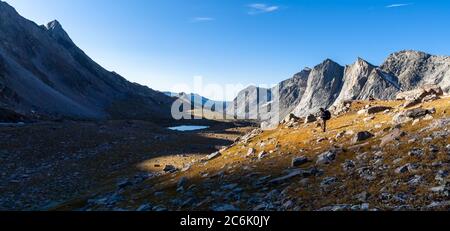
(412, 54)
(54, 25)
(56, 30)
(43, 72)
(415, 68)
(323, 87)
(379, 85)
(291, 91)
(355, 78)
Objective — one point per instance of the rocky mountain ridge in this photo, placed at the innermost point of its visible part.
(44, 74)
(330, 84)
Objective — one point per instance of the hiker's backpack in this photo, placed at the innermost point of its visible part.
(327, 115)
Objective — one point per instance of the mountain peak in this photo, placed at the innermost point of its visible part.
(54, 25)
(56, 30)
(362, 62)
(410, 54)
(328, 62)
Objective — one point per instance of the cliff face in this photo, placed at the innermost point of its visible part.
(355, 78)
(324, 86)
(291, 91)
(42, 71)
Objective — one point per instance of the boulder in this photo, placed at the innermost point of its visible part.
(440, 123)
(418, 113)
(402, 169)
(441, 175)
(340, 135)
(411, 103)
(433, 89)
(310, 119)
(434, 149)
(170, 168)
(428, 117)
(412, 114)
(362, 112)
(376, 109)
(299, 161)
(394, 135)
(368, 119)
(327, 157)
(400, 118)
(348, 165)
(328, 181)
(250, 152)
(262, 155)
(213, 156)
(429, 98)
(341, 108)
(415, 181)
(422, 94)
(295, 173)
(291, 118)
(411, 95)
(361, 136)
(416, 152)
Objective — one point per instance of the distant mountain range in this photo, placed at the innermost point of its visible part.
(329, 83)
(195, 99)
(44, 74)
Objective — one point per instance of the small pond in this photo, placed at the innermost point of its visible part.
(188, 128)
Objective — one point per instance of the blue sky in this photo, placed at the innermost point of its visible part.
(161, 43)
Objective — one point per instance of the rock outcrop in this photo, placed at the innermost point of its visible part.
(420, 95)
(415, 69)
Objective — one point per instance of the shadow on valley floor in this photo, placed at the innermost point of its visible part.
(46, 164)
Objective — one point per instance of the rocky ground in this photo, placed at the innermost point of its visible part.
(46, 164)
(377, 155)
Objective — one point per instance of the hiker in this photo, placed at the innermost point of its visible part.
(325, 115)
